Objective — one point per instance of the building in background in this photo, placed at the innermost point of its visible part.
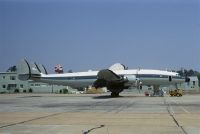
(9, 83)
(192, 86)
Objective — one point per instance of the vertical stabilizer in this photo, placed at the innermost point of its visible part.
(27, 71)
(42, 68)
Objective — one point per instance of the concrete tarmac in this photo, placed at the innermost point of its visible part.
(131, 113)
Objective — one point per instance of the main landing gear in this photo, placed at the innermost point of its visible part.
(113, 94)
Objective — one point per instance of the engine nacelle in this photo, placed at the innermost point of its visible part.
(131, 80)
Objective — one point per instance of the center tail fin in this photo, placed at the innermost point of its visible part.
(28, 71)
(41, 68)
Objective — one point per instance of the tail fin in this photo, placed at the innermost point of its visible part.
(41, 68)
(27, 71)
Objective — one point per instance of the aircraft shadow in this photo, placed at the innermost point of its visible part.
(121, 96)
(102, 97)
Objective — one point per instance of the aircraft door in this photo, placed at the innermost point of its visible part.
(170, 78)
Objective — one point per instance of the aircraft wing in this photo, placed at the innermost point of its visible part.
(108, 75)
(107, 78)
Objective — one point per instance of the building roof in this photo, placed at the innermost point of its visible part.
(8, 73)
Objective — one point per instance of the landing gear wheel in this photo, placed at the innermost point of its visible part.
(114, 94)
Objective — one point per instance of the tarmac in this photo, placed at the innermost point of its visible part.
(131, 113)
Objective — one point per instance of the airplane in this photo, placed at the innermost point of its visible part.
(115, 79)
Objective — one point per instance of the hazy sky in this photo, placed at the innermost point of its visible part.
(94, 34)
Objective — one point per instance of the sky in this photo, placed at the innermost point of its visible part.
(94, 34)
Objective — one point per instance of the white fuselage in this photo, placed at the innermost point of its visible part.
(84, 79)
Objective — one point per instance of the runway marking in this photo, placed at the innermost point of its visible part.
(186, 111)
(43, 117)
(37, 118)
(92, 129)
(172, 113)
(171, 110)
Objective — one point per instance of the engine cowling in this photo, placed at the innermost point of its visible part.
(131, 80)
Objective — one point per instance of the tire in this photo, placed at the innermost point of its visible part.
(113, 94)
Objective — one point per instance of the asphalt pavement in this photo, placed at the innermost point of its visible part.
(131, 113)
